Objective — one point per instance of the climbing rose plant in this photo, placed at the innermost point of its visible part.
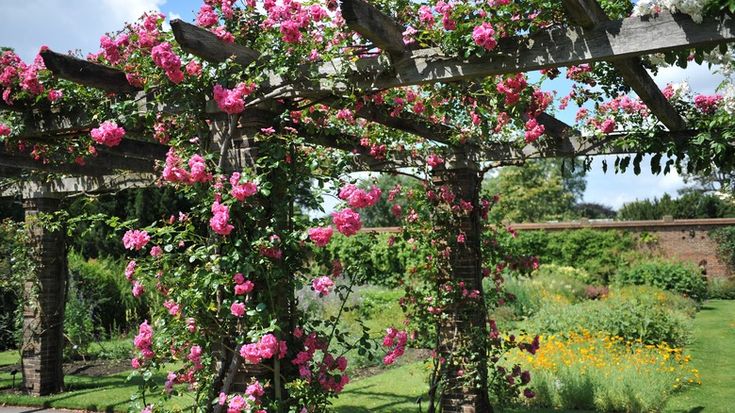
(223, 274)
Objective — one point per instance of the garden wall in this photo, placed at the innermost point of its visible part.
(683, 239)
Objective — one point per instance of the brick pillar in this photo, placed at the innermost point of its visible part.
(45, 299)
(463, 332)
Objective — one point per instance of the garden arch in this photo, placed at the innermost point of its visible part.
(588, 37)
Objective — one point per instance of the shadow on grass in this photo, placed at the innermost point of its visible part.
(391, 400)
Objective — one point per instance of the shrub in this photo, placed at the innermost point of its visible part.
(384, 264)
(672, 276)
(725, 238)
(599, 253)
(639, 313)
(545, 288)
(604, 373)
(562, 272)
(100, 286)
(15, 267)
(721, 288)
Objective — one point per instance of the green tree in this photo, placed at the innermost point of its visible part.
(381, 215)
(537, 191)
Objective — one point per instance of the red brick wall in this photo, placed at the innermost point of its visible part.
(685, 240)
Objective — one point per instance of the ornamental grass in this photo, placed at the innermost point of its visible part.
(604, 373)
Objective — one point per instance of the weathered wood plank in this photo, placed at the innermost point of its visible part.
(588, 14)
(87, 73)
(206, 45)
(83, 184)
(555, 47)
(375, 26)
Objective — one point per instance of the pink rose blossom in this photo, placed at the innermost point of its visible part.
(108, 134)
(483, 35)
(138, 289)
(164, 57)
(231, 101)
(321, 235)
(322, 285)
(156, 251)
(4, 130)
(135, 239)
(237, 309)
(219, 221)
(347, 221)
(242, 191)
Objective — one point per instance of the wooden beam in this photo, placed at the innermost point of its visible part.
(82, 184)
(206, 45)
(554, 47)
(87, 73)
(588, 14)
(375, 26)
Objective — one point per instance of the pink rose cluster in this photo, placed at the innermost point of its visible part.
(397, 340)
(231, 101)
(195, 357)
(144, 343)
(292, 17)
(347, 221)
(242, 191)
(534, 130)
(220, 219)
(359, 198)
(165, 58)
(321, 236)
(14, 74)
(329, 373)
(707, 104)
(484, 36)
(322, 285)
(625, 104)
(135, 239)
(512, 87)
(175, 173)
(111, 47)
(267, 348)
(173, 308)
(4, 130)
(242, 286)
(434, 161)
(108, 134)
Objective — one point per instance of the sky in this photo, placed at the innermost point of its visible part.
(65, 25)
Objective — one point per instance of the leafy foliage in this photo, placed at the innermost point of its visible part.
(692, 204)
(683, 278)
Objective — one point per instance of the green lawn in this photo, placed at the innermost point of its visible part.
(398, 389)
(713, 353)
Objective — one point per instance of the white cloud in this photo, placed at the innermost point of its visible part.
(701, 78)
(65, 25)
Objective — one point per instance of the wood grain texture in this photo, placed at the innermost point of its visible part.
(206, 45)
(375, 26)
(87, 73)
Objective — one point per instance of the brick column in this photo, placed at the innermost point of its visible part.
(463, 332)
(45, 299)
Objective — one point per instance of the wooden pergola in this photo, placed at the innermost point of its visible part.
(590, 37)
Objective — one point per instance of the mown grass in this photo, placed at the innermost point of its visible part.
(398, 389)
(713, 353)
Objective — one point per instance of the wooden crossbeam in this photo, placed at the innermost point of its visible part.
(554, 47)
(375, 26)
(588, 14)
(87, 73)
(82, 184)
(206, 45)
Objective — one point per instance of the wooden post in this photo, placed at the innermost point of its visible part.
(464, 387)
(45, 300)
